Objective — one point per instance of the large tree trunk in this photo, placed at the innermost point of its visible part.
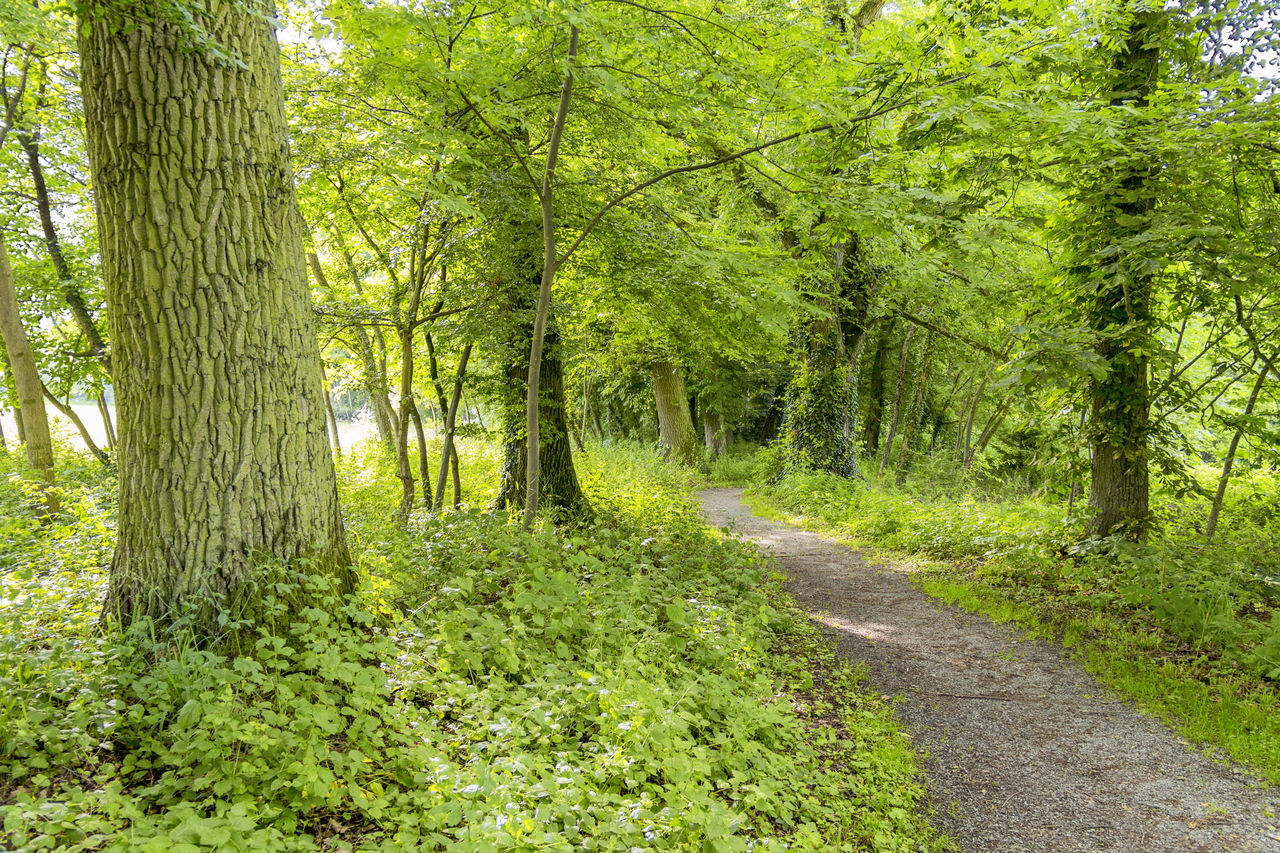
(1119, 303)
(224, 463)
(26, 379)
(675, 422)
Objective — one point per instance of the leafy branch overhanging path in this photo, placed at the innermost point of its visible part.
(1025, 750)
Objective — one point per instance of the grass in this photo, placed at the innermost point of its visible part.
(1186, 633)
(633, 683)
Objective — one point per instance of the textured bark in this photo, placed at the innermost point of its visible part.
(224, 463)
(715, 432)
(1120, 309)
(896, 412)
(26, 379)
(822, 401)
(675, 422)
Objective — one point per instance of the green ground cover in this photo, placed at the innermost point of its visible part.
(637, 683)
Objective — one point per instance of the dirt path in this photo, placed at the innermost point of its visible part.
(1026, 753)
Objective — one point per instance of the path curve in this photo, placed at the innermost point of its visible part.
(1025, 752)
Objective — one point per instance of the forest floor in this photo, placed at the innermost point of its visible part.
(1022, 750)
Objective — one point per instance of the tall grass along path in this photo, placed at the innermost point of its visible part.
(1024, 751)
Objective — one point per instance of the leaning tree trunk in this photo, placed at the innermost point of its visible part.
(30, 142)
(1216, 509)
(375, 381)
(1118, 301)
(675, 422)
(224, 463)
(26, 379)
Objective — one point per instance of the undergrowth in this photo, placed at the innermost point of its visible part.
(1190, 631)
(635, 683)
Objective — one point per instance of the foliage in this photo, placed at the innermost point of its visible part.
(632, 684)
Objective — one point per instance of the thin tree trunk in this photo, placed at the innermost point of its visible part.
(328, 411)
(918, 394)
(107, 425)
(407, 405)
(26, 378)
(595, 419)
(30, 142)
(424, 459)
(964, 440)
(875, 391)
(70, 414)
(993, 424)
(374, 380)
(532, 404)
(1212, 524)
(433, 366)
(675, 423)
(450, 423)
(897, 399)
(224, 463)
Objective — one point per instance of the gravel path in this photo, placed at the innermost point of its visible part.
(1025, 752)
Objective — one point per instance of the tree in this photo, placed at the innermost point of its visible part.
(1118, 282)
(223, 458)
(22, 366)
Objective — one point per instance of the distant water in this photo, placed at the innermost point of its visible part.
(349, 432)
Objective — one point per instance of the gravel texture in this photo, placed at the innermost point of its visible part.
(1023, 751)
